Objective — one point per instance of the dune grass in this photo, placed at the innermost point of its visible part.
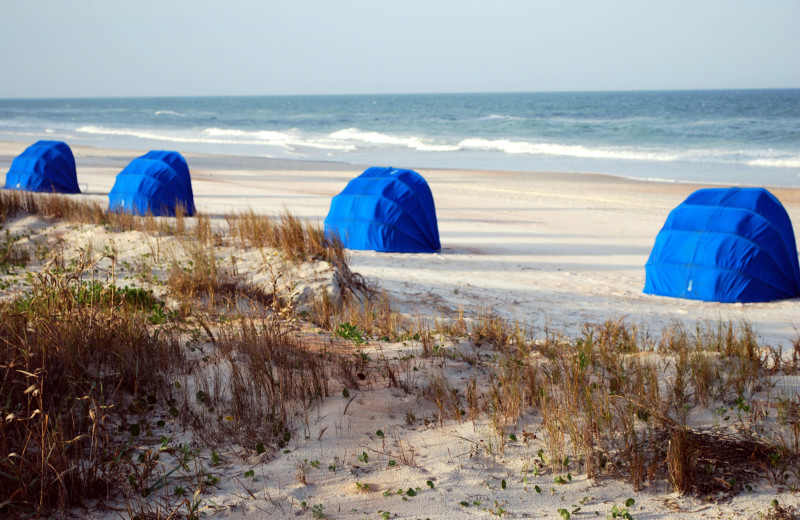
(94, 376)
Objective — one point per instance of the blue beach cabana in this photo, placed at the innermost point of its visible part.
(46, 167)
(725, 245)
(387, 210)
(156, 183)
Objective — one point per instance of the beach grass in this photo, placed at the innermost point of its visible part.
(95, 373)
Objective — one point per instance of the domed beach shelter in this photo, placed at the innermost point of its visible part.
(156, 183)
(387, 210)
(46, 167)
(726, 245)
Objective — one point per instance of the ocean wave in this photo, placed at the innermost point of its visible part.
(257, 135)
(220, 136)
(353, 140)
(785, 162)
(564, 150)
(377, 138)
(501, 117)
(168, 113)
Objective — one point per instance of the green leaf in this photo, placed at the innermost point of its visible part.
(564, 514)
(629, 502)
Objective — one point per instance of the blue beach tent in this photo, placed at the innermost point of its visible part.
(45, 166)
(725, 245)
(387, 210)
(156, 183)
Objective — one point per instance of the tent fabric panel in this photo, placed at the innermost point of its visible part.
(707, 284)
(374, 236)
(402, 180)
(59, 166)
(744, 222)
(756, 200)
(178, 165)
(379, 209)
(723, 252)
(364, 223)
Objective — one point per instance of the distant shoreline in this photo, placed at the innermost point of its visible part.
(410, 94)
(98, 156)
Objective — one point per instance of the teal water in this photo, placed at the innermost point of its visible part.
(747, 137)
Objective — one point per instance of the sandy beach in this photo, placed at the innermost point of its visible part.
(555, 251)
(549, 249)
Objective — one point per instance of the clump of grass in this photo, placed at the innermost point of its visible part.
(301, 241)
(262, 377)
(12, 256)
(70, 355)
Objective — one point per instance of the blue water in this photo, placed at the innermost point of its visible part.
(745, 137)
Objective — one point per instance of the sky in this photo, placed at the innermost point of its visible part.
(100, 48)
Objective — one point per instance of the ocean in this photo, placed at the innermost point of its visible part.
(730, 137)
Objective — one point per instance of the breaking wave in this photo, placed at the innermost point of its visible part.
(377, 138)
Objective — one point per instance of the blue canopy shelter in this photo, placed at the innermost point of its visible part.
(385, 209)
(45, 166)
(726, 245)
(156, 183)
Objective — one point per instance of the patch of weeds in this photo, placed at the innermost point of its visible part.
(777, 511)
(318, 511)
(566, 514)
(562, 480)
(623, 512)
(350, 332)
(11, 255)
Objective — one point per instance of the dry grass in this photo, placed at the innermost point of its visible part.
(70, 358)
(85, 366)
(84, 369)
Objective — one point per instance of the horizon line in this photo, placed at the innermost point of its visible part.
(587, 91)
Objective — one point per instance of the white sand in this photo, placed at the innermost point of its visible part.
(548, 249)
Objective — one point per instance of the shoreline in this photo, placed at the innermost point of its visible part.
(96, 156)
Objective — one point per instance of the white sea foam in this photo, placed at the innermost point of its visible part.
(785, 162)
(350, 140)
(564, 150)
(220, 136)
(168, 113)
(259, 135)
(376, 138)
(500, 117)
